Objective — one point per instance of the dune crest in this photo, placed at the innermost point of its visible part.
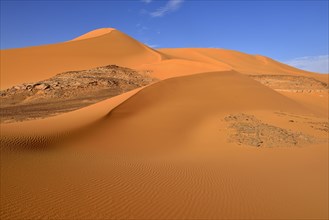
(42, 62)
(238, 61)
(94, 33)
(107, 46)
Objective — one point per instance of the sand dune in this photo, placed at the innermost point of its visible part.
(189, 99)
(244, 91)
(94, 33)
(238, 61)
(42, 62)
(107, 46)
(208, 141)
(193, 171)
(63, 123)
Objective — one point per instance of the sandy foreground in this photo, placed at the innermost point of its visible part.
(221, 135)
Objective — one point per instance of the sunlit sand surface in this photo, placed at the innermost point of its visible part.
(216, 134)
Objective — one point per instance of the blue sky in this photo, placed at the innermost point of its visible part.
(295, 32)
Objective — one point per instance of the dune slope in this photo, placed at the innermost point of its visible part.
(189, 99)
(246, 138)
(241, 62)
(170, 152)
(41, 62)
(94, 33)
(108, 46)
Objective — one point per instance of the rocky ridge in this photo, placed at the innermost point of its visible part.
(69, 91)
(290, 83)
(248, 130)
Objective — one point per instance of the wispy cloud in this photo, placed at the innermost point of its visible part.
(319, 64)
(152, 45)
(171, 5)
(146, 1)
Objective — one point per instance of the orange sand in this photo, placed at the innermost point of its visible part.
(162, 152)
(42, 62)
(94, 33)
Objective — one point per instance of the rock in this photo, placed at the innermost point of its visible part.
(41, 86)
(55, 84)
(254, 132)
(12, 90)
(29, 87)
(93, 83)
(18, 87)
(76, 84)
(103, 83)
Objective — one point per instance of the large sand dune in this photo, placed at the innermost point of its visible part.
(235, 60)
(209, 141)
(175, 106)
(166, 153)
(42, 62)
(107, 46)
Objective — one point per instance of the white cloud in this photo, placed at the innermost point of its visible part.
(152, 45)
(146, 1)
(319, 64)
(172, 5)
